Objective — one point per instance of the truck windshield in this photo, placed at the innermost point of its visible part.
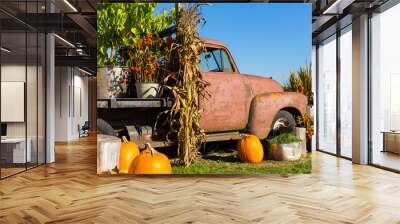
(215, 60)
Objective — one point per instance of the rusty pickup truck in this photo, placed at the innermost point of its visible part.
(245, 103)
(238, 104)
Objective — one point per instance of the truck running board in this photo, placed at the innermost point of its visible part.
(224, 136)
(213, 137)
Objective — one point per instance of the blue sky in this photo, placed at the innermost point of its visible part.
(264, 39)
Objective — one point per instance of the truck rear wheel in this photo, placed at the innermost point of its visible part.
(284, 122)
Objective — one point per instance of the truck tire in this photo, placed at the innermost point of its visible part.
(284, 122)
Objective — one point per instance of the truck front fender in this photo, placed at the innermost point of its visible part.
(264, 107)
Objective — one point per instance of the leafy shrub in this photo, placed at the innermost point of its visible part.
(306, 121)
(123, 25)
(301, 82)
(284, 139)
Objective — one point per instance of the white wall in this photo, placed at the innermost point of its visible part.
(80, 110)
(12, 73)
(61, 103)
(71, 102)
(34, 125)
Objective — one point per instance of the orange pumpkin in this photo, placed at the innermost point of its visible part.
(150, 161)
(250, 149)
(127, 154)
(145, 150)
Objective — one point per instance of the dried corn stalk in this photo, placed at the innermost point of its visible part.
(188, 86)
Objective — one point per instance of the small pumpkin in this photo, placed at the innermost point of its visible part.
(127, 154)
(150, 161)
(250, 149)
(145, 150)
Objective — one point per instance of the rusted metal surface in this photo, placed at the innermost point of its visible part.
(227, 107)
(261, 85)
(239, 101)
(216, 44)
(265, 106)
(209, 42)
(215, 137)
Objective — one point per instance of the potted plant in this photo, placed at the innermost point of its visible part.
(146, 62)
(302, 82)
(307, 122)
(285, 147)
(121, 28)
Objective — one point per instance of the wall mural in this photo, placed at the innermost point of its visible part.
(171, 101)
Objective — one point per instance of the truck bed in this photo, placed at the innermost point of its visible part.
(127, 103)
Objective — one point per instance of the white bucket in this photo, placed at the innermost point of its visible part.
(286, 152)
(301, 133)
(147, 90)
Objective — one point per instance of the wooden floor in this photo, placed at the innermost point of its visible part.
(5, 172)
(387, 159)
(70, 192)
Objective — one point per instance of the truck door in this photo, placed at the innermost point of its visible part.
(226, 108)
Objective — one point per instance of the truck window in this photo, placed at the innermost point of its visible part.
(215, 60)
(208, 62)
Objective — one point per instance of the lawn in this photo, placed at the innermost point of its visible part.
(228, 163)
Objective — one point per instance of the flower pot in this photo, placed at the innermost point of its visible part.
(286, 152)
(310, 110)
(301, 133)
(109, 83)
(147, 90)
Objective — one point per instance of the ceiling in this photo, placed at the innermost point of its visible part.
(75, 22)
(331, 15)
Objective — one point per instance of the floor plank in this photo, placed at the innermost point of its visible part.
(69, 191)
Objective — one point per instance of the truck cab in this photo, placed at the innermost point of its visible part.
(242, 102)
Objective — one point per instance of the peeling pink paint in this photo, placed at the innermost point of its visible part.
(244, 102)
(265, 106)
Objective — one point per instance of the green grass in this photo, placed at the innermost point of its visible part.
(230, 164)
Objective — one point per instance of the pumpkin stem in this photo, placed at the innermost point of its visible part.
(151, 149)
(124, 139)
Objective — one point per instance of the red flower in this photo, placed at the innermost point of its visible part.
(148, 39)
(139, 45)
(147, 42)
